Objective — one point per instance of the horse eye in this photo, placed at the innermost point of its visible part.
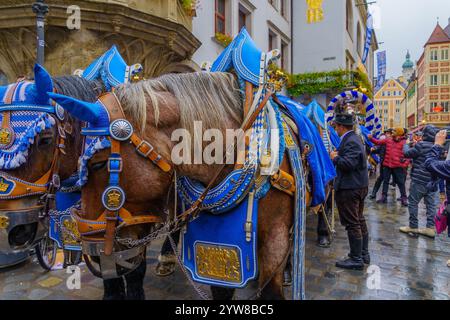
(99, 165)
(45, 141)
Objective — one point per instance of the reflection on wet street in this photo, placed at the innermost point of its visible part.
(402, 268)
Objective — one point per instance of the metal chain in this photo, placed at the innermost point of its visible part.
(202, 294)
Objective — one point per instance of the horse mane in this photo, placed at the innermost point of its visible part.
(202, 96)
(78, 88)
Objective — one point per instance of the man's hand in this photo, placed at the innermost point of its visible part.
(441, 137)
(370, 136)
(333, 155)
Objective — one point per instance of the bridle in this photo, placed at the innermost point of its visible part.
(113, 198)
(121, 131)
(50, 181)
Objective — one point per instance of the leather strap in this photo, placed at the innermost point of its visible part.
(88, 227)
(283, 181)
(145, 149)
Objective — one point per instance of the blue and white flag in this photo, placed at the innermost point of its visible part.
(381, 57)
(369, 32)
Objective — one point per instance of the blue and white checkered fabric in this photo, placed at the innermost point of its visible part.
(26, 126)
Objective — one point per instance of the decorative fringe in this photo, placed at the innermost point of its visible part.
(18, 153)
(92, 148)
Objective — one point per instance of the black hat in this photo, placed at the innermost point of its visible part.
(345, 119)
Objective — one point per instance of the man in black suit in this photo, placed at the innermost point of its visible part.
(351, 185)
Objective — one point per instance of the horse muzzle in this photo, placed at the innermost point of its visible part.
(20, 225)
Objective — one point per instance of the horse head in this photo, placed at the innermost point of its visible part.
(126, 169)
(38, 144)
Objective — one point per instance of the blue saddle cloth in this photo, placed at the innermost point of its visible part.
(64, 200)
(322, 167)
(216, 250)
(243, 55)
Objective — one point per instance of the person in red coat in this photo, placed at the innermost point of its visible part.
(395, 164)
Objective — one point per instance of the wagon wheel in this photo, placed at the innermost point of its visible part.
(46, 250)
(90, 264)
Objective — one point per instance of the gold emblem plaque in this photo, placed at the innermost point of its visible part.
(6, 137)
(218, 262)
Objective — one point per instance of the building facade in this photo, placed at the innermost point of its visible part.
(410, 103)
(388, 104)
(155, 33)
(433, 70)
(267, 21)
(336, 42)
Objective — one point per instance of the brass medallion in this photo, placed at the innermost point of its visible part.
(6, 138)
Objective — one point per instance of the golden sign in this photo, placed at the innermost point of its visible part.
(114, 198)
(218, 262)
(315, 12)
(6, 136)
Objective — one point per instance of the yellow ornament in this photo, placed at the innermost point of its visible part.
(315, 11)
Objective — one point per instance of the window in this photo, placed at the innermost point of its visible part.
(284, 8)
(432, 106)
(433, 80)
(444, 79)
(444, 54)
(359, 40)
(433, 55)
(220, 16)
(244, 18)
(349, 16)
(284, 55)
(272, 40)
(446, 106)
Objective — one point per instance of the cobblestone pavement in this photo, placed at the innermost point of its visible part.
(410, 268)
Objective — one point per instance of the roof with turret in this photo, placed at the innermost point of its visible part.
(438, 36)
(408, 64)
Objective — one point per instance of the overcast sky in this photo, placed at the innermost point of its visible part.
(407, 24)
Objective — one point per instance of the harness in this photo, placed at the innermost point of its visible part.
(120, 131)
(14, 188)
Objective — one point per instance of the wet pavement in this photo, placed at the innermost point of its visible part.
(402, 268)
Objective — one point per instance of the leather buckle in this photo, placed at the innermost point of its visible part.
(144, 154)
(110, 170)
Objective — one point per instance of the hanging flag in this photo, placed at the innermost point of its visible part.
(315, 11)
(381, 57)
(369, 32)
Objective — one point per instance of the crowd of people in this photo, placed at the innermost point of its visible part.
(422, 155)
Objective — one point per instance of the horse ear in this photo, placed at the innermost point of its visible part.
(85, 111)
(43, 82)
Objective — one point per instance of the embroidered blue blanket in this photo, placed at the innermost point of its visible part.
(216, 250)
(322, 167)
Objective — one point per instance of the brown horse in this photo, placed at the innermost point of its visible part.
(156, 108)
(40, 158)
